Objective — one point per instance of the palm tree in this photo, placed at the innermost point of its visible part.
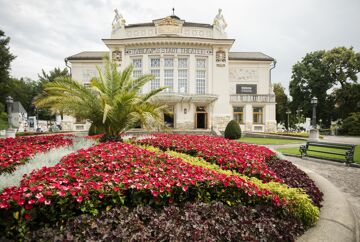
(112, 102)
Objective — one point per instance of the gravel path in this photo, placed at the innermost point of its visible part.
(347, 179)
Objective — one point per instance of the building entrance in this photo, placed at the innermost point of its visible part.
(201, 118)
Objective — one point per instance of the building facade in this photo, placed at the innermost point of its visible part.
(208, 84)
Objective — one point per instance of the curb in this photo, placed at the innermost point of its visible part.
(337, 220)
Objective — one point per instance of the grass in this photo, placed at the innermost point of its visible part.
(295, 151)
(269, 141)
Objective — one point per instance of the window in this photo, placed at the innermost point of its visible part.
(182, 75)
(155, 70)
(169, 74)
(239, 114)
(258, 115)
(200, 76)
(137, 72)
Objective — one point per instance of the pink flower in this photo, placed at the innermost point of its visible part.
(47, 202)
(79, 199)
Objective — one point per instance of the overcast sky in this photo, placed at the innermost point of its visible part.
(44, 32)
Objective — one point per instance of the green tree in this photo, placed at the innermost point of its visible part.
(5, 57)
(112, 102)
(282, 102)
(351, 125)
(5, 60)
(311, 77)
(343, 65)
(44, 78)
(347, 100)
(52, 75)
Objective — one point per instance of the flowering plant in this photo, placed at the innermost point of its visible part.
(110, 174)
(17, 151)
(246, 159)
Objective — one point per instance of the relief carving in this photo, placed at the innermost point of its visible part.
(243, 74)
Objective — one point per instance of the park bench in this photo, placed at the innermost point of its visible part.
(345, 151)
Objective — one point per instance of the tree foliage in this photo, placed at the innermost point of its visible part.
(53, 74)
(317, 74)
(282, 103)
(112, 102)
(347, 99)
(5, 57)
(351, 125)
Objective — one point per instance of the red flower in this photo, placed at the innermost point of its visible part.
(27, 216)
(79, 199)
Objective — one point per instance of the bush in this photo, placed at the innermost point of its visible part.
(192, 222)
(233, 130)
(94, 130)
(351, 125)
(110, 138)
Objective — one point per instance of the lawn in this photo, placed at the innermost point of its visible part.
(269, 141)
(295, 151)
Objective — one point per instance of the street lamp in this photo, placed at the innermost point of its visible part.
(9, 103)
(288, 114)
(314, 132)
(314, 102)
(298, 117)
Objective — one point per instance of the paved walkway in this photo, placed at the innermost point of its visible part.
(347, 179)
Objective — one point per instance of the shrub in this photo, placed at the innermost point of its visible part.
(294, 177)
(233, 130)
(93, 130)
(191, 222)
(351, 125)
(110, 138)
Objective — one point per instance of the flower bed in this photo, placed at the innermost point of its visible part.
(17, 151)
(250, 160)
(111, 174)
(246, 159)
(294, 177)
(191, 222)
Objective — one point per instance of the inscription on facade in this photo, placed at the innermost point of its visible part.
(184, 51)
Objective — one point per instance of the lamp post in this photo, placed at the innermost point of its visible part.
(314, 132)
(9, 103)
(288, 114)
(298, 116)
(314, 102)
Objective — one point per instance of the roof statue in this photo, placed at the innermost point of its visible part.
(219, 22)
(118, 22)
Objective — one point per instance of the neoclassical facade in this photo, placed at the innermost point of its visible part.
(208, 84)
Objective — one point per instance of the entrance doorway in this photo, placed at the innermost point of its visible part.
(169, 119)
(201, 118)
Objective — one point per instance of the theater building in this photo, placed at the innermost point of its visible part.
(208, 83)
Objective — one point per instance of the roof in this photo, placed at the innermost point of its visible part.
(88, 55)
(99, 55)
(18, 108)
(186, 24)
(249, 56)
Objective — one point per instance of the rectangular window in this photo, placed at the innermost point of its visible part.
(258, 115)
(155, 70)
(169, 80)
(200, 76)
(169, 74)
(183, 75)
(137, 71)
(239, 114)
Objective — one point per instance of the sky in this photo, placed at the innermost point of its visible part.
(44, 32)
